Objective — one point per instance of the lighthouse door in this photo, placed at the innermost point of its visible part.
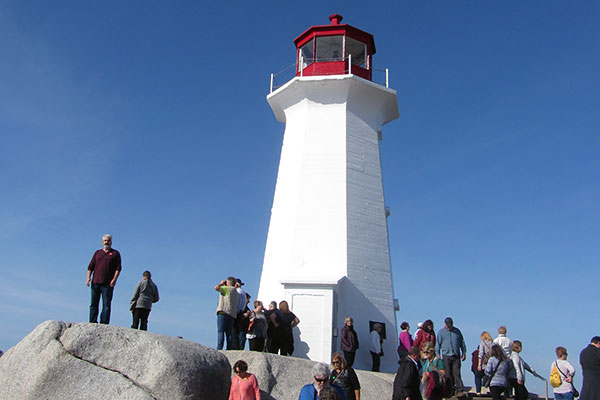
(313, 305)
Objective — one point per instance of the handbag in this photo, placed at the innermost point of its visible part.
(573, 390)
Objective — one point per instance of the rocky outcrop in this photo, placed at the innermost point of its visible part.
(77, 361)
(61, 360)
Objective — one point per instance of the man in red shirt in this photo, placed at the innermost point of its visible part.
(103, 271)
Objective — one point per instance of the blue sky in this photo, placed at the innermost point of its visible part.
(148, 120)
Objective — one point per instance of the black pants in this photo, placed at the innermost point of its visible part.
(376, 361)
(349, 356)
(452, 364)
(140, 318)
(521, 392)
(257, 344)
(496, 392)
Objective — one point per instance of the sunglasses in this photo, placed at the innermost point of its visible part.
(321, 380)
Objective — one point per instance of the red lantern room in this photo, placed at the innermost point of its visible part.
(335, 49)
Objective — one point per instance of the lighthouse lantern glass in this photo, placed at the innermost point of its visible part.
(358, 51)
(307, 53)
(330, 48)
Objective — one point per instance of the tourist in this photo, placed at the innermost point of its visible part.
(271, 316)
(425, 334)
(144, 294)
(226, 312)
(311, 391)
(451, 347)
(517, 376)
(504, 341)
(484, 352)
(375, 346)
(349, 341)
(102, 273)
(477, 374)
(589, 358)
(239, 334)
(257, 330)
(433, 371)
(244, 385)
(566, 373)
(329, 393)
(287, 321)
(344, 377)
(497, 370)
(405, 340)
(408, 377)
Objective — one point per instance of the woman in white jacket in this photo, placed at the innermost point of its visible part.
(520, 366)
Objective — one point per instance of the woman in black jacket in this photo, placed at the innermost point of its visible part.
(349, 341)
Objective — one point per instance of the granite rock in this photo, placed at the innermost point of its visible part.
(76, 361)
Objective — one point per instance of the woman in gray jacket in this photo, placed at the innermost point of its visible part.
(144, 294)
(497, 369)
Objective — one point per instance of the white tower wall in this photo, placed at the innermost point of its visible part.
(327, 248)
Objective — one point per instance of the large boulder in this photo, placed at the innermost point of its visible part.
(281, 378)
(60, 360)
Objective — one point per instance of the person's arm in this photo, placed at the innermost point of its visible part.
(438, 344)
(515, 359)
(136, 295)
(256, 388)
(405, 339)
(231, 389)
(463, 346)
(273, 319)
(218, 286)
(441, 366)
(418, 338)
(295, 322)
(114, 279)
(90, 268)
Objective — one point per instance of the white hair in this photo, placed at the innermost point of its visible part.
(107, 235)
(320, 371)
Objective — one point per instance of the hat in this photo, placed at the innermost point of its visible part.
(419, 324)
(238, 280)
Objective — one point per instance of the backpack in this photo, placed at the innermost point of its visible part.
(438, 383)
(555, 379)
(486, 354)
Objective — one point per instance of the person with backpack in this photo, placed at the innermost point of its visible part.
(561, 376)
(497, 370)
(484, 354)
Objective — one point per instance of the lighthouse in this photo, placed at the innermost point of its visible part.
(327, 252)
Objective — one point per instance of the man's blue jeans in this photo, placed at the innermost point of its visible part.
(106, 292)
(224, 328)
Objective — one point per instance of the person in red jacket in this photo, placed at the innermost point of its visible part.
(425, 334)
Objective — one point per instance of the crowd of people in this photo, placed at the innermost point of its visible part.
(429, 363)
(430, 368)
(266, 330)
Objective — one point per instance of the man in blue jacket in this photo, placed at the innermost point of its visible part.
(451, 347)
(312, 391)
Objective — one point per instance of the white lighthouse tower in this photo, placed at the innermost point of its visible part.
(327, 249)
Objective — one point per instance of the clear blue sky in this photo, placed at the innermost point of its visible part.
(148, 120)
